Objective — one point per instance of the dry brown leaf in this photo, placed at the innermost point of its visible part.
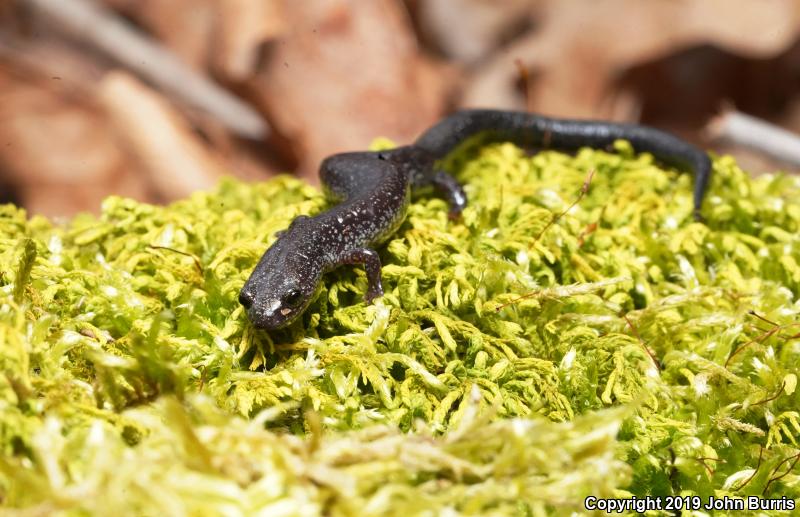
(580, 47)
(61, 200)
(48, 96)
(357, 69)
(242, 27)
(175, 161)
(469, 30)
(225, 33)
(51, 142)
(345, 73)
(46, 59)
(184, 26)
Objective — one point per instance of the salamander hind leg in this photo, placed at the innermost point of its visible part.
(372, 265)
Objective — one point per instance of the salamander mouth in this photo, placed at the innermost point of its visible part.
(263, 321)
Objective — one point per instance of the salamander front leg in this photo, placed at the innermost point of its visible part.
(372, 265)
(452, 191)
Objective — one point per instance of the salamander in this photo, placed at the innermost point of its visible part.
(372, 191)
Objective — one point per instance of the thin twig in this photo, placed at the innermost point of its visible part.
(796, 458)
(758, 339)
(92, 23)
(762, 318)
(584, 190)
(766, 334)
(758, 466)
(770, 399)
(757, 134)
(644, 345)
(515, 300)
(709, 470)
(191, 256)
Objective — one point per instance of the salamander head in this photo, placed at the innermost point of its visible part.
(281, 286)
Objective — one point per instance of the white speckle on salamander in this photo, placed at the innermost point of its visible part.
(272, 307)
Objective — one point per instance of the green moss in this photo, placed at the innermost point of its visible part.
(520, 360)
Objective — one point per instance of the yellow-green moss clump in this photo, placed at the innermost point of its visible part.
(516, 365)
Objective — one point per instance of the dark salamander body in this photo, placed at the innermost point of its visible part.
(373, 191)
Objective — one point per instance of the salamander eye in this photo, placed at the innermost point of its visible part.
(246, 299)
(291, 297)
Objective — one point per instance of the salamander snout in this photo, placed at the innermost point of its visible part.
(275, 308)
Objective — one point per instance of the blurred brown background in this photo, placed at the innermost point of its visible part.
(154, 99)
